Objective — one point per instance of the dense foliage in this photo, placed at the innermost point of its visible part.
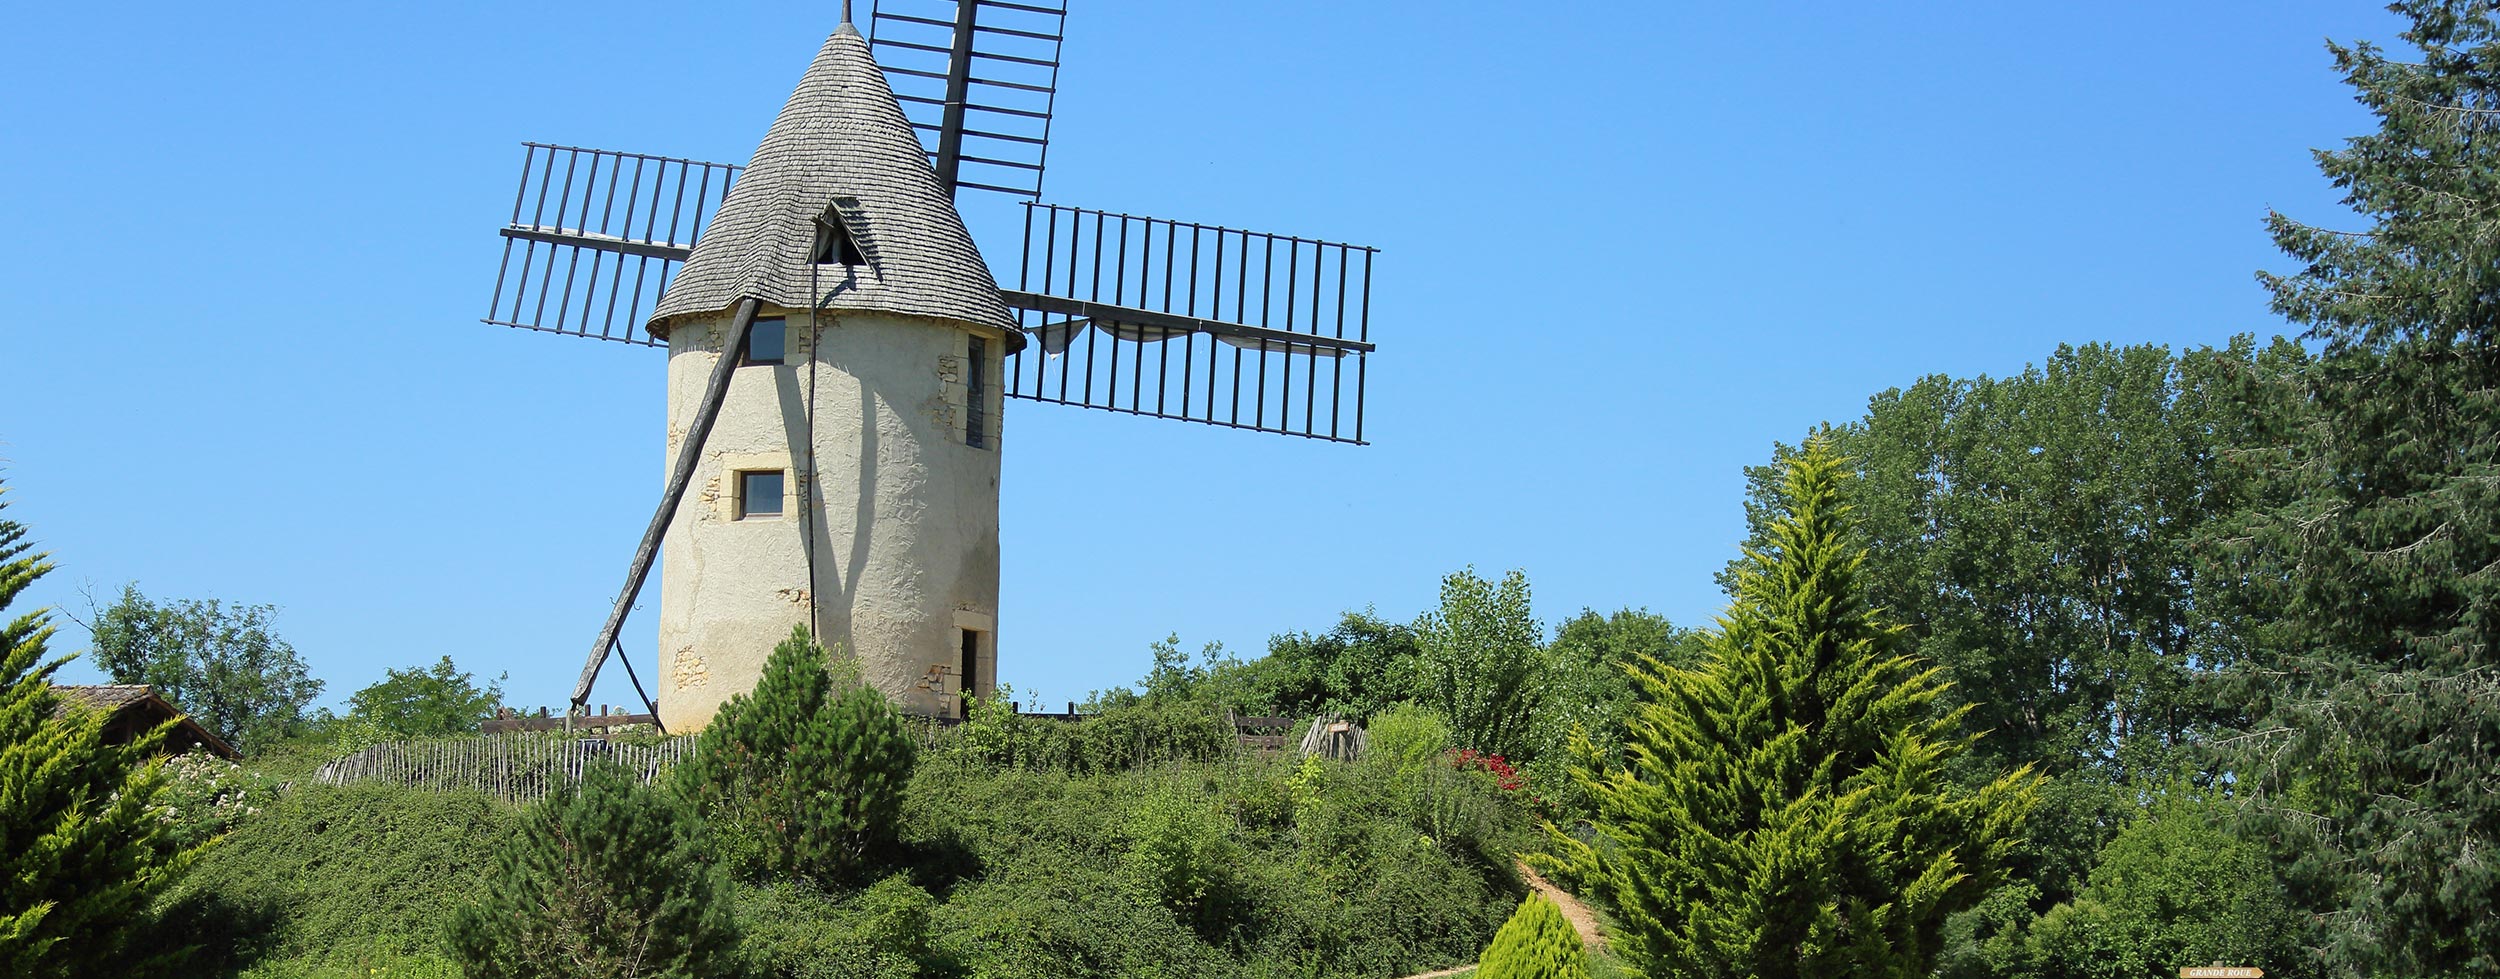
(219, 663)
(1784, 809)
(83, 840)
(1536, 943)
(607, 881)
(338, 874)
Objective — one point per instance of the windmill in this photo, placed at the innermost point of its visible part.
(840, 353)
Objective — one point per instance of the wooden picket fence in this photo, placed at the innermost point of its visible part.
(519, 767)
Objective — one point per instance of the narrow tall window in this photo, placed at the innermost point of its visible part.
(767, 340)
(976, 393)
(759, 493)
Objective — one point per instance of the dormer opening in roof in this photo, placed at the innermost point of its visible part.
(835, 244)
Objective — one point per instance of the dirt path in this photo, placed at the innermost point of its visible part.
(1582, 919)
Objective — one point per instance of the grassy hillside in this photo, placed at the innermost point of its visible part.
(1156, 853)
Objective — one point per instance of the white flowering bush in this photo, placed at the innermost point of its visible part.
(205, 796)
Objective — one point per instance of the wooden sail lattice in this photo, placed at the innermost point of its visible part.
(1137, 315)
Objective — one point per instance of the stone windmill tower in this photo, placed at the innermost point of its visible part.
(876, 344)
(840, 355)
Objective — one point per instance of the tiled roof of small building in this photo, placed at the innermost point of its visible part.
(107, 697)
(140, 699)
(841, 134)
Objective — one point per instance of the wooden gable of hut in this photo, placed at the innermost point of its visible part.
(135, 709)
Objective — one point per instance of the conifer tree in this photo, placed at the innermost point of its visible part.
(1536, 943)
(2375, 705)
(604, 881)
(1783, 809)
(806, 775)
(82, 847)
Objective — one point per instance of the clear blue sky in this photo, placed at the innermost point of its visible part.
(1625, 247)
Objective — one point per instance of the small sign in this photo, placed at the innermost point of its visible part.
(1340, 727)
(2221, 972)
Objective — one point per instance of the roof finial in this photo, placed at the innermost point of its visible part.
(846, 11)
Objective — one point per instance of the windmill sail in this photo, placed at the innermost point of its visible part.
(1174, 319)
(978, 79)
(596, 235)
(1138, 315)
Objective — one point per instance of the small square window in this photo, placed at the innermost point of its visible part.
(766, 341)
(759, 494)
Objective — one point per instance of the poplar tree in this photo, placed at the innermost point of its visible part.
(2375, 714)
(82, 845)
(1783, 809)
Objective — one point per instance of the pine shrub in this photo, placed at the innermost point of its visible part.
(805, 776)
(83, 843)
(1536, 943)
(607, 881)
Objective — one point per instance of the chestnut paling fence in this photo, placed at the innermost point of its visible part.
(524, 766)
(520, 767)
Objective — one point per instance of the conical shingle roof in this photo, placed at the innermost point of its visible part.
(841, 141)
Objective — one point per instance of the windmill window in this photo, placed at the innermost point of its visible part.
(976, 393)
(834, 244)
(767, 341)
(759, 493)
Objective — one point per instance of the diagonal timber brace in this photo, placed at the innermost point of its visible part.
(733, 347)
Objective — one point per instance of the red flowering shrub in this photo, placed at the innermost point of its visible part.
(1508, 779)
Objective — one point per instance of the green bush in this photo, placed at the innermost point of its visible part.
(1408, 738)
(806, 775)
(1135, 733)
(206, 796)
(1536, 943)
(1181, 854)
(323, 868)
(606, 881)
(794, 931)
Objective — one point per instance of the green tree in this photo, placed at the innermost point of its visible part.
(220, 663)
(1536, 943)
(2176, 887)
(2039, 536)
(1357, 669)
(806, 775)
(2375, 705)
(605, 881)
(1784, 809)
(1480, 661)
(83, 845)
(1589, 691)
(421, 702)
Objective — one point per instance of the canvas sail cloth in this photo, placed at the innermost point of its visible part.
(1055, 338)
(841, 147)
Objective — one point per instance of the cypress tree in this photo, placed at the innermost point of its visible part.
(1536, 943)
(82, 847)
(604, 881)
(1783, 809)
(2375, 702)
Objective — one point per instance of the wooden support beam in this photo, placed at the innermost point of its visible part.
(733, 347)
